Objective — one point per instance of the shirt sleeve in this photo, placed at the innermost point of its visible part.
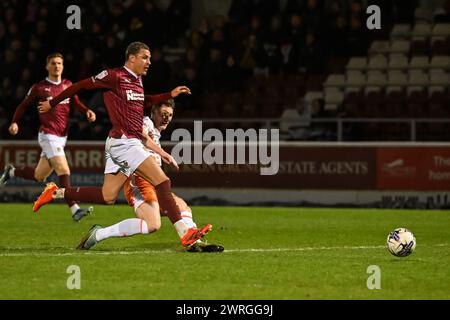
(29, 99)
(106, 79)
(152, 99)
(147, 125)
(75, 103)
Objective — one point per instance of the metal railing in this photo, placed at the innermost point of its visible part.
(274, 123)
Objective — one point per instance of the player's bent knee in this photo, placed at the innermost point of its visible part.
(109, 198)
(40, 177)
(153, 227)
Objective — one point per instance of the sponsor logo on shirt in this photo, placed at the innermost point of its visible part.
(134, 96)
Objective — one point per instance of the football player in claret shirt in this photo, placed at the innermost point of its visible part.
(124, 98)
(141, 195)
(53, 130)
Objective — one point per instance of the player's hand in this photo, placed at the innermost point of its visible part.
(44, 106)
(179, 90)
(13, 129)
(90, 115)
(167, 158)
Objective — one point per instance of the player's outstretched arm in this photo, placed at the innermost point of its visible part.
(20, 110)
(86, 84)
(180, 90)
(76, 103)
(150, 144)
(152, 99)
(104, 80)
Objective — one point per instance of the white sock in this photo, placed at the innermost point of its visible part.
(11, 171)
(125, 228)
(183, 225)
(187, 216)
(74, 208)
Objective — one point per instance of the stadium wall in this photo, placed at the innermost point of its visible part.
(388, 175)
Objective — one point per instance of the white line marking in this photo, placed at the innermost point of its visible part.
(250, 250)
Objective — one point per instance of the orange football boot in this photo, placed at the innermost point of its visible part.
(46, 196)
(193, 234)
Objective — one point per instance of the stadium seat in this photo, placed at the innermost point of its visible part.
(436, 88)
(421, 31)
(377, 62)
(369, 89)
(333, 98)
(379, 47)
(423, 15)
(418, 78)
(440, 78)
(419, 62)
(400, 46)
(400, 31)
(376, 78)
(440, 62)
(397, 78)
(357, 63)
(313, 95)
(441, 29)
(398, 61)
(355, 79)
(335, 80)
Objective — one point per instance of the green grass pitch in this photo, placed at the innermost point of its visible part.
(270, 253)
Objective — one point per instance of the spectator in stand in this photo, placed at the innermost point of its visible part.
(271, 45)
(312, 16)
(311, 55)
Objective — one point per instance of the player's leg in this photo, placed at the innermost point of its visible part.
(148, 220)
(186, 211)
(43, 170)
(199, 245)
(61, 167)
(152, 172)
(107, 194)
(38, 174)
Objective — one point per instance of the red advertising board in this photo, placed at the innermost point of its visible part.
(299, 168)
(422, 169)
(82, 158)
(338, 168)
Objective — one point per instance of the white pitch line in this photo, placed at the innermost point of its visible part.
(251, 250)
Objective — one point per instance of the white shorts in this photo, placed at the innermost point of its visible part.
(52, 146)
(124, 155)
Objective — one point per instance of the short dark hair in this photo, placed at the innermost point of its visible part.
(134, 48)
(168, 103)
(54, 55)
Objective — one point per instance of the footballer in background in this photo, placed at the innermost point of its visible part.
(141, 195)
(53, 130)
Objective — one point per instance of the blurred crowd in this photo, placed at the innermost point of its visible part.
(222, 55)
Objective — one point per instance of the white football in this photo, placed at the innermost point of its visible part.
(401, 242)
